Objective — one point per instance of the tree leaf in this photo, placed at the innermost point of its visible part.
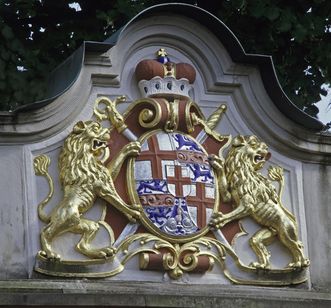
(7, 32)
(272, 13)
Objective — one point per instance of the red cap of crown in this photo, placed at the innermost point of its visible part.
(148, 69)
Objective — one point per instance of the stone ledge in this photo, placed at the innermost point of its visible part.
(50, 293)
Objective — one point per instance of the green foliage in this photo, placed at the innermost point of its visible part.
(296, 34)
(37, 35)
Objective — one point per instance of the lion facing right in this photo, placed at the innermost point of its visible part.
(253, 195)
(84, 178)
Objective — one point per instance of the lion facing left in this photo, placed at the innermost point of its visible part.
(83, 178)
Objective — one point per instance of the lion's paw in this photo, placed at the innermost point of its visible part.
(108, 252)
(216, 162)
(217, 221)
(258, 265)
(299, 264)
(102, 253)
(133, 148)
(52, 256)
(305, 263)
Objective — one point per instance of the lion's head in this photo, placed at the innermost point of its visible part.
(246, 157)
(250, 151)
(79, 160)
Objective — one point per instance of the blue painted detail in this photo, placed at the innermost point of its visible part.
(174, 220)
(180, 222)
(201, 173)
(185, 143)
(163, 59)
(158, 215)
(152, 186)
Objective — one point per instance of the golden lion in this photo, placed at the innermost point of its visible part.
(83, 178)
(253, 195)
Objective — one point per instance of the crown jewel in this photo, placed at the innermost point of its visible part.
(161, 77)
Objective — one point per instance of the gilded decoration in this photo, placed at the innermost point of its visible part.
(254, 195)
(172, 200)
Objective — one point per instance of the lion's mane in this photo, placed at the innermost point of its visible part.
(77, 163)
(242, 177)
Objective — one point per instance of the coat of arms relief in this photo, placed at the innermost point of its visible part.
(174, 198)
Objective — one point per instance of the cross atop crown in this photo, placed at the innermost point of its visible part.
(161, 52)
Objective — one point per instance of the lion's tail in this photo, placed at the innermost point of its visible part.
(41, 164)
(277, 174)
(280, 193)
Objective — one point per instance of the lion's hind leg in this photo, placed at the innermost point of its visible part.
(258, 243)
(46, 238)
(89, 229)
(62, 221)
(289, 237)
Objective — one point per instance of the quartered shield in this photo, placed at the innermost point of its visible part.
(175, 185)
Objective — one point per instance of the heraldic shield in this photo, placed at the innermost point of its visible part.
(175, 184)
(170, 198)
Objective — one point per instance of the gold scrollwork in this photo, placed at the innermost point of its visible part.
(150, 117)
(172, 123)
(188, 115)
(185, 258)
(176, 259)
(110, 112)
(173, 258)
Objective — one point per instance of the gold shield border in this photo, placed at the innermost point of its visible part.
(134, 198)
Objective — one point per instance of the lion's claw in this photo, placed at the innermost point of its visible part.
(50, 256)
(258, 265)
(216, 162)
(133, 148)
(299, 264)
(217, 221)
(108, 252)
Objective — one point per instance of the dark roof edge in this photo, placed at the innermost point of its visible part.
(67, 73)
(63, 76)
